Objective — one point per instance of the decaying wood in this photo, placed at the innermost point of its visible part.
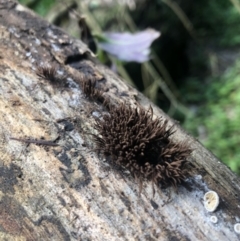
(69, 192)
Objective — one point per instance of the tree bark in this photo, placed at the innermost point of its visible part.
(69, 192)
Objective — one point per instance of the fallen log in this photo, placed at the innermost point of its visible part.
(54, 184)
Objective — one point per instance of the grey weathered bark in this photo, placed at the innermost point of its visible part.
(67, 192)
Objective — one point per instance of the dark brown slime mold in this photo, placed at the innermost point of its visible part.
(89, 87)
(142, 145)
(50, 74)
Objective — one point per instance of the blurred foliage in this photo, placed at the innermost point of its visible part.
(216, 118)
(217, 20)
(41, 7)
(194, 72)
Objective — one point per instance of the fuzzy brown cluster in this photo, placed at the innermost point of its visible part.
(89, 88)
(50, 73)
(141, 144)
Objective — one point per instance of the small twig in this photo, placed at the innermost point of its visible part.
(38, 142)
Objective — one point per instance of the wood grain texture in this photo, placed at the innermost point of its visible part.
(69, 192)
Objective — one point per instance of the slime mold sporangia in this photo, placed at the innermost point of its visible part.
(137, 141)
(89, 89)
(142, 144)
(50, 73)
